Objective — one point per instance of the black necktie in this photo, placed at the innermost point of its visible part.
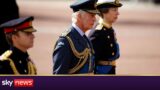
(91, 57)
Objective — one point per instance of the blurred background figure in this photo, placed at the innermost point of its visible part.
(9, 10)
(156, 1)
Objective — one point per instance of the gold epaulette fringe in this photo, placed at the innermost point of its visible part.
(5, 56)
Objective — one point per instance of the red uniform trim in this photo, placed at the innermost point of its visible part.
(19, 27)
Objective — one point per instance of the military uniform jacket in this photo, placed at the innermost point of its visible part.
(17, 62)
(72, 54)
(105, 44)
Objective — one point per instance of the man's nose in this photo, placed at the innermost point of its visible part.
(32, 35)
(118, 13)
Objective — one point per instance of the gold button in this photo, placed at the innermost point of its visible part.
(112, 53)
(111, 45)
(108, 37)
(20, 62)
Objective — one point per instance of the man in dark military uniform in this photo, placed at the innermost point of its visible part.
(19, 34)
(73, 53)
(103, 39)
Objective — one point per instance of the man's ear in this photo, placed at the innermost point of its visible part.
(79, 16)
(15, 36)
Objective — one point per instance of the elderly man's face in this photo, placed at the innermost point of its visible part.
(88, 20)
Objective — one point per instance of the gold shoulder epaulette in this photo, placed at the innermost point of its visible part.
(65, 33)
(99, 27)
(5, 55)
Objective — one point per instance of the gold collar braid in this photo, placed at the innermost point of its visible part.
(31, 68)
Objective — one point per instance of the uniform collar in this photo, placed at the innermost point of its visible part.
(102, 22)
(78, 29)
(19, 53)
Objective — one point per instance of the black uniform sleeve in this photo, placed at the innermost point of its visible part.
(5, 67)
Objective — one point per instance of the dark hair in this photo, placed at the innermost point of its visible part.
(103, 10)
(9, 37)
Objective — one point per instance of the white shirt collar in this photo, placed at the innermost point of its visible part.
(78, 29)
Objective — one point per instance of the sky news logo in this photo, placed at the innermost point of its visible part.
(18, 83)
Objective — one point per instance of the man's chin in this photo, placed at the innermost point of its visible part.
(30, 46)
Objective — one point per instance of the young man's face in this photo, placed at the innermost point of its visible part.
(23, 40)
(112, 15)
(88, 20)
